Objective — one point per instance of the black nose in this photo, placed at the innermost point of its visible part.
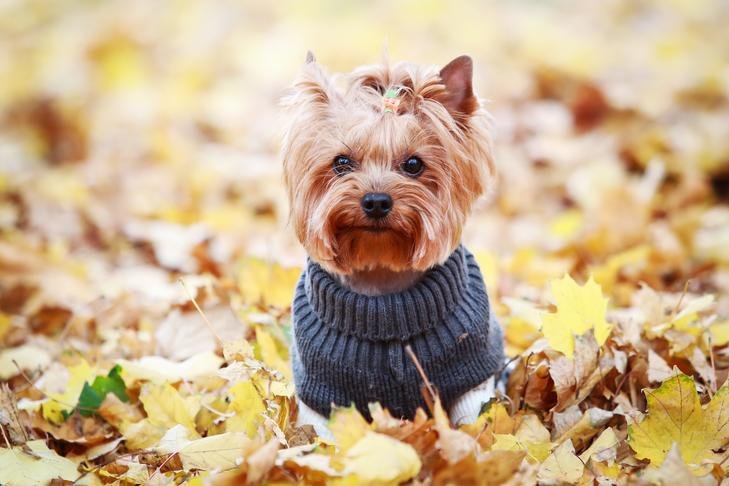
(376, 205)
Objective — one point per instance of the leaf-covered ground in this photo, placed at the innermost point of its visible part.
(146, 267)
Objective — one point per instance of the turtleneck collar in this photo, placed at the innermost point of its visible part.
(396, 316)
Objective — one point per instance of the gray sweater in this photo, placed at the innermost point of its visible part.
(350, 348)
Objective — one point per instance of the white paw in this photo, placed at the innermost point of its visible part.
(467, 407)
(307, 416)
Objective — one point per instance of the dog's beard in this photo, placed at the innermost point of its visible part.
(414, 236)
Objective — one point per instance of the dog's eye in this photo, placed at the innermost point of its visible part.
(342, 165)
(413, 166)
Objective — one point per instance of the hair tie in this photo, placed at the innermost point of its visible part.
(391, 100)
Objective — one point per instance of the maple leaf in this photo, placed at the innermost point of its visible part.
(562, 466)
(675, 416)
(166, 408)
(604, 448)
(40, 465)
(347, 426)
(260, 280)
(579, 310)
(270, 355)
(247, 406)
(379, 459)
(531, 436)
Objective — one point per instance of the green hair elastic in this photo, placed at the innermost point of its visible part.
(391, 100)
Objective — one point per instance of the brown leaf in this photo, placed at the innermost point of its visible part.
(569, 375)
(76, 429)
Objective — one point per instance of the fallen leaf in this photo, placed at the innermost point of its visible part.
(27, 357)
(674, 471)
(247, 406)
(259, 280)
(347, 426)
(159, 369)
(166, 408)
(379, 459)
(604, 448)
(39, 465)
(658, 369)
(93, 395)
(675, 416)
(531, 436)
(217, 452)
(60, 404)
(562, 466)
(579, 309)
(453, 444)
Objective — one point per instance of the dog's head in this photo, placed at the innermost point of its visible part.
(383, 171)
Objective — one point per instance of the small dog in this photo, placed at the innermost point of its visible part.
(381, 174)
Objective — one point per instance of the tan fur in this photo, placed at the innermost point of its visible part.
(447, 130)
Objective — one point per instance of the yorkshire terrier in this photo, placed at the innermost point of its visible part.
(382, 168)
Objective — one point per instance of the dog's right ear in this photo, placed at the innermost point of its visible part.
(314, 84)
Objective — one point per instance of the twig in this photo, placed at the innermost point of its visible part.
(680, 299)
(7, 441)
(202, 314)
(713, 365)
(426, 382)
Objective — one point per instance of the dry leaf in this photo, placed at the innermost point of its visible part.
(675, 416)
(37, 465)
(562, 466)
(379, 459)
(579, 309)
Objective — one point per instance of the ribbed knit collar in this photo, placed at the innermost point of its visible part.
(396, 316)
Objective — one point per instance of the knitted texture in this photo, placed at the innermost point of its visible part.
(350, 348)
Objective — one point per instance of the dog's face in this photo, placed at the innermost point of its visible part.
(382, 173)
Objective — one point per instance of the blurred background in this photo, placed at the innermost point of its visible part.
(138, 141)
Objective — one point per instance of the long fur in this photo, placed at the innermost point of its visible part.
(326, 120)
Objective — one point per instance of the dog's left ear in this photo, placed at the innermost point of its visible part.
(457, 76)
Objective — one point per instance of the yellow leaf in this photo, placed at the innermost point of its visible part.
(166, 408)
(579, 310)
(269, 353)
(248, 407)
(489, 264)
(4, 324)
(567, 224)
(18, 468)
(269, 282)
(674, 471)
(120, 63)
(531, 436)
(684, 320)
(603, 448)
(58, 403)
(347, 426)
(216, 452)
(562, 466)
(379, 459)
(280, 389)
(675, 416)
(719, 333)
(142, 435)
(159, 369)
(496, 418)
(607, 273)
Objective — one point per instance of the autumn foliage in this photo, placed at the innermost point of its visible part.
(146, 265)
